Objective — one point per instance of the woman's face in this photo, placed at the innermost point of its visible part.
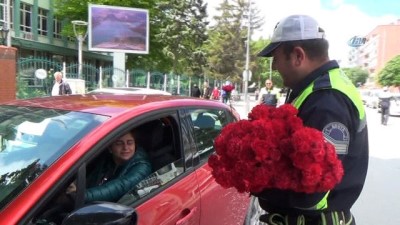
(123, 148)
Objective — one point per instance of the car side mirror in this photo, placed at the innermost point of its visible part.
(102, 213)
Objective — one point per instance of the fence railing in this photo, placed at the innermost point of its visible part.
(102, 77)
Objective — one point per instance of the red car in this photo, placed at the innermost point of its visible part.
(48, 143)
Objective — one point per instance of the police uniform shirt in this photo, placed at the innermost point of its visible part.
(333, 113)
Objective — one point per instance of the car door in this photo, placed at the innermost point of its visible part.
(219, 205)
(171, 194)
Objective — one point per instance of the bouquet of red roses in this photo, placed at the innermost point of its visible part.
(274, 150)
(228, 87)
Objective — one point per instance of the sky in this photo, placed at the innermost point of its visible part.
(341, 19)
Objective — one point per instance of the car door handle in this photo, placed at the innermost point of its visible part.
(188, 214)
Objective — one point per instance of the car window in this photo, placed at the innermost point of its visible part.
(207, 124)
(31, 139)
(160, 138)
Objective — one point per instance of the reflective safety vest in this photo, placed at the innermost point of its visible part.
(335, 79)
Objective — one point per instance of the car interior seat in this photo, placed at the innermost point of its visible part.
(204, 121)
(156, 138)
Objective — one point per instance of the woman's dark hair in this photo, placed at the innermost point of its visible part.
(315, 48)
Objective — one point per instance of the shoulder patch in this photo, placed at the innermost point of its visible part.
(338, 135)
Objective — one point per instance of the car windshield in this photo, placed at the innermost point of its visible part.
(31, 139)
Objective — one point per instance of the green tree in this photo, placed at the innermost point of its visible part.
(390, 74)
(183, 32)
(226, 47)
(25, 92)
(182, 20)
(357, 75)
(262, 66)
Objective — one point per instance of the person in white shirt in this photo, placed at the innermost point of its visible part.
(268, 95)
(60, 87)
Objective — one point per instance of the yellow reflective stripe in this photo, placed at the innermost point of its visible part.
(323, 219)
(323, 204)
(338, 81)
(300, 99)
(335, 218)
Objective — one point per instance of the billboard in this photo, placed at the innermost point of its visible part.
(118, 29)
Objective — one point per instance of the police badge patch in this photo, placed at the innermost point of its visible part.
(338, 135)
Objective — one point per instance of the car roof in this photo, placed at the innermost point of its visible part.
(113, 104)
(129, 90)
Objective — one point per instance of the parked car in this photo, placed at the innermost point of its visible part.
(371, 98)
(48, 143)
(394, 109)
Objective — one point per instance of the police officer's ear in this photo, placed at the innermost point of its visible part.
(298, 55)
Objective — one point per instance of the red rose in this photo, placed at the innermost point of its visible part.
(274, 150)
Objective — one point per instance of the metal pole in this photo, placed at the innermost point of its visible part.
(270, 69)
(80, 37)
(165, 82)
(8, 19)
(101, 77)
(127, 78)
(148, 80)
(80, 42)
(179, 85)
(246, 80)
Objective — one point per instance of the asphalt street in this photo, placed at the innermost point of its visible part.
(379, 203)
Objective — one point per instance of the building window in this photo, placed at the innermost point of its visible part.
(57, 28)
(2, 12)
(42, 21)
(26, 17)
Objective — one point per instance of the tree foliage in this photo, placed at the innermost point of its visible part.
(226, 47)
(357, 75)
(262, 66)
(177, 31)
(182, 32)
(390, 74)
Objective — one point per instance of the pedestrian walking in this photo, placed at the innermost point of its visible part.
(196, 91)
(384, 103)
(60, 87)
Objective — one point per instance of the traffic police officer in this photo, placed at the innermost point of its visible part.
(328, 101)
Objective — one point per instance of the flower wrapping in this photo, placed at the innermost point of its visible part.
(273, 149)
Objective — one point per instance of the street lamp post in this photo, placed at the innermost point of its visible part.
(247, 71)
(80, 36)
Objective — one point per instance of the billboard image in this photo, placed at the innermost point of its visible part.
(118, 29)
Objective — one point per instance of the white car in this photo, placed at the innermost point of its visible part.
(395, 105)
(371, 98)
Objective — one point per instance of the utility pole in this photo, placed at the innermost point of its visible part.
(247, 72)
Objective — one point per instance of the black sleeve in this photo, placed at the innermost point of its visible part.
(67, 89)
